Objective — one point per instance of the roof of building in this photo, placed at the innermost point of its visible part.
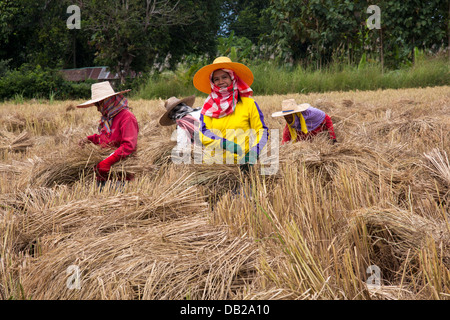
(82, 74)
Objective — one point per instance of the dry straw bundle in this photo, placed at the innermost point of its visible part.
(179, 259)
(440, 166)
(304, 233)
(393, 240)
(111, 210)
(73, 164)
(365, 161)
(66, 167)
(15, 143)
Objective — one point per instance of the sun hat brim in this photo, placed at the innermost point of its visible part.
(297, 108)
(91, 102)
(165, 120)
(202, 77)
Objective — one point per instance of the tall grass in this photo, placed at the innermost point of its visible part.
(273, 79)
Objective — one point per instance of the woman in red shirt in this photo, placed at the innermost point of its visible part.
(118, 127)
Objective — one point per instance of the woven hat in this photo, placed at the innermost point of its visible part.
(171, 103)
(289, 106)
(99, 92)
(201, 78)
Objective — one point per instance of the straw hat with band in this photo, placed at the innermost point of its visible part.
(289, 106)
(202, 77)
(170, 104)
(100, 91)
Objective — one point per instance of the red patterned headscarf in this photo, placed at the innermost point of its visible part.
(221, 102)
(111, 107)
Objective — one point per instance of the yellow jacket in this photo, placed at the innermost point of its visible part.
(242, 126)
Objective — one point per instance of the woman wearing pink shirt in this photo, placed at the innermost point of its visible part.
(118, 128)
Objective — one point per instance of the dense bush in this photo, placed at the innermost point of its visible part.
(37, 82)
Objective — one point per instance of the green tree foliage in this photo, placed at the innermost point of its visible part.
(246, 19)
(317, 30)
(35, 32)
(132, 34)
(123, 34)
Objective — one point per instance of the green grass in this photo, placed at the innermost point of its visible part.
(272, 79)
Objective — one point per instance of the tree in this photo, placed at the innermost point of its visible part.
(131, 34)
(319, 29)
(35, 32)
(246, 18)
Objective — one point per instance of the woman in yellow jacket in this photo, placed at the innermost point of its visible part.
(230, 118)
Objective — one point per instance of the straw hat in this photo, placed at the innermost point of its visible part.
(171, 103)
(99, 92)
(289, 106)
(201, 78)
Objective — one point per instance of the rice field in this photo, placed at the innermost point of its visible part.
(364, 219)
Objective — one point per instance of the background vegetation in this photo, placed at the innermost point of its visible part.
(298, 43)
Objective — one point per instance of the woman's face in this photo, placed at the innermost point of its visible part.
(289, 118)
(99, 105)
(221, 79)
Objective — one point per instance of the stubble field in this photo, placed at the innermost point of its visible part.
(366, 218)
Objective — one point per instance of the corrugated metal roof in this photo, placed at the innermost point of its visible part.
(82, 74)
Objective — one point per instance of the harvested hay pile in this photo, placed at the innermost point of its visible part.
(71, 165)
(395, 239)
(420, 127)
(15, 143)
(109, 213)
(366, 162)
(179, 259)
(66, 167)
(439, 165)
(212, 176)
(177, 232)
(215, 180)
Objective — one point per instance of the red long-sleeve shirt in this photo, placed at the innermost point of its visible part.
(327, 124)
(124, 134)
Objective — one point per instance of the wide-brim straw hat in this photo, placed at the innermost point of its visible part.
(171, 103)
(289, 106)
(202, 77)
(99, 92)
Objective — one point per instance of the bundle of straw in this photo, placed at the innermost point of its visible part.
(366, 162)
(180, 259)
(440, 166)
(106, 212)
(69, 166)
(393, 238)
(15, 122)
(19, 143)
(66, 167)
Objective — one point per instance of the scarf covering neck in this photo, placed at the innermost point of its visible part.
(111, 107)
(188, 123)
(180, 111)
(306, 121)
(298, 124)
(222, 101)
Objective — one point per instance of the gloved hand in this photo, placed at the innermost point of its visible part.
(83, 142)
(334, 141)
(251, 157)
(103, 167)
(232, 147)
